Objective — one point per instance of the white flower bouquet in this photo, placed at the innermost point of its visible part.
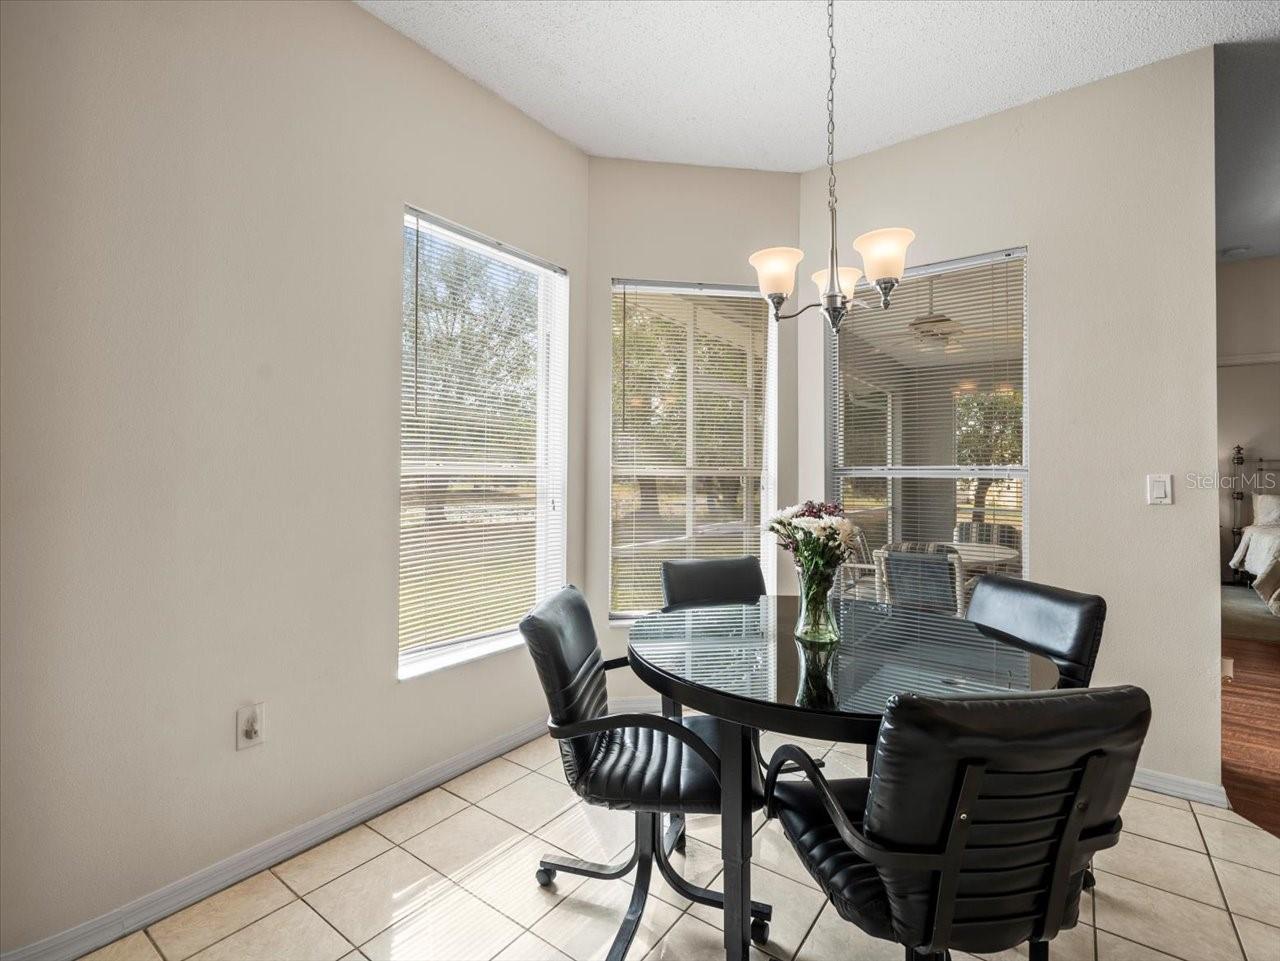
(820, 538)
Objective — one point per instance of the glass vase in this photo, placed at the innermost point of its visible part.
(816, 625)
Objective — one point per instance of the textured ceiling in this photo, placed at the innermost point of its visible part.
(743, 84)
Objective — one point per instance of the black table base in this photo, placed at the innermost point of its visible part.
(737, 756)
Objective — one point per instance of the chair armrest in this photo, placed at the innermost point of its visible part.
(615, 662)
(793, 754)
(653, 722)
(1100, 838)
(866, 849)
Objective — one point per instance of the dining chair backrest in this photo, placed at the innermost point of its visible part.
(922, 576)
(1063, 625)
(720, 580)
(562, 641)
(975, 532)
(1013, 788)
(985, 532)
(861, 551)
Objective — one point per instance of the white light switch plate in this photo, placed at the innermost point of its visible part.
(1159, 488)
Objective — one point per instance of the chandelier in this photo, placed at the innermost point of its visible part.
(884, 251)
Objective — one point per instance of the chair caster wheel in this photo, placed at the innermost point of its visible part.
(759, 930)
(545, 876)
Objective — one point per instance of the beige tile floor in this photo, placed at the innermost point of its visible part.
(449, 875)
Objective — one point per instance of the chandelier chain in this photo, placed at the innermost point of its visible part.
(831, 107)
(775, 265)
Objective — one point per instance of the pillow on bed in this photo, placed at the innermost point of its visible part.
(1266, 508)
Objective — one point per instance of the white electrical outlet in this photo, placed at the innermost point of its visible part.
(251, 725)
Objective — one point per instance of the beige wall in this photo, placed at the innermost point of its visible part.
(668, 222)
(1248, 393)
(1249, 308)
(1110, 187)
(201, 348)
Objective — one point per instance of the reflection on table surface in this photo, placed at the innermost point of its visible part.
(750, 651)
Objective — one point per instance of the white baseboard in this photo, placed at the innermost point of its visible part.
(1183, 787)
(150, 908)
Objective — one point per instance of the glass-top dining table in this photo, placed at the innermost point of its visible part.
(742, 664)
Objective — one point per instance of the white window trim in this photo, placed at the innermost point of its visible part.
(428, 661)
(769, 462)
(443, 655)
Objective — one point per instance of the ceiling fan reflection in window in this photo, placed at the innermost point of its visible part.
(931, 331)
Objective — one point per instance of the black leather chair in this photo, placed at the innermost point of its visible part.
(975, 828)
(636, 762)
(1060, 624)
(699, 583)
(1063, 625)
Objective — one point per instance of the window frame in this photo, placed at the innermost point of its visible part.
(833, 474)
(768, 488)
(550, 441)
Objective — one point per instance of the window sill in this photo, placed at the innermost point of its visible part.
(428, 662)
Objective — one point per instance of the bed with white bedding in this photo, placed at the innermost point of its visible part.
(1259, 550)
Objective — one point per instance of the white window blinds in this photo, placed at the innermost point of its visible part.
(926, 412)
(692, 432)
(482, 436)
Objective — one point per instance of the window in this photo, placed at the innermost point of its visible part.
(927, 411)
(693, 428)
(482, 439)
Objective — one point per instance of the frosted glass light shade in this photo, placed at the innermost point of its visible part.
(884, 252)
(776, 269)
(847, 276)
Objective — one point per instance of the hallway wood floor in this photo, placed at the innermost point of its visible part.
(1251, 731)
